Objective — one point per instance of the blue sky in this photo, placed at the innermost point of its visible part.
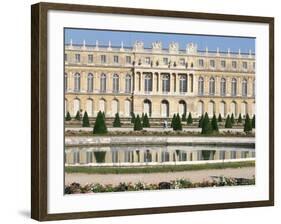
(128, 38)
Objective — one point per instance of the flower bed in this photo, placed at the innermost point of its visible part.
(76, 188)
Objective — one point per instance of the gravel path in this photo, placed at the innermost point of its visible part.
(193, 176)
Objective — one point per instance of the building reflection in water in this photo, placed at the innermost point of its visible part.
(153, 155)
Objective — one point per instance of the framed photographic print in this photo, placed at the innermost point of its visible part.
(139, 111)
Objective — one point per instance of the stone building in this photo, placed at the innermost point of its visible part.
(157, 81)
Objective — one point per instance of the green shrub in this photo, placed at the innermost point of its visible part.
(214, 124)
(77, 116)
(228, 123)
(100, 156)
(206, 125)
(200, 122)
(219, 118)
(100, 125)
(133, 117)
(116, 122)
(173, 121)
(68, 117)
(232, 118)
(247, 124)
(178, 126)
(239, 119)
(86, 122)
(189, 119)
(183, 117)
(254, 121)
(137, 124)
(145, 122)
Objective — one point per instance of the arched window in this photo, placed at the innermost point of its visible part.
(147, 107)
(211, 108)
(165, 108)
(148, 83)
(200, 86)
(233, 87)
(77, 82)
(102, 105)
(200, 109)
(115, 83)
(223, 108)
(183, 83)
(128, 108)
(89, 107)
(166, 83)
(65, 82)
(223, 87)
(76, 106)
(114, 107)
(233, 108)
(128, 84)
(90, 82)
(212, 86)
(103, 83)
(244, 109)
(182, 107)
(244, 87)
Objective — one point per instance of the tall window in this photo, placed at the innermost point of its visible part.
(128, 59)
(223, 87)
(165, 61)
(201, 63)
(212, 63)
(183, 83)
(115, 59)
(244, 65)
(65, 82)
(77, 58)
(233, 87)
(115, 83)
(147, 60)
(90, 58)
(77, 82)
(148, 83)
(103, 83)
(166, 83)
(201, 86)
(212, 86)
(128, 84)
(182, 61)
(223, 64)
(234, 64)
(103, 59)
(90, 82)
(244, 87)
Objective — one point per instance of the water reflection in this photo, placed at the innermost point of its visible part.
(153, 155)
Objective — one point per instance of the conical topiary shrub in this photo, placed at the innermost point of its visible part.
(206, 125)
(200, 122)
(219, 118)
(133, 117)
(86, 122)
(68, 117)
(173, 121)
(137, 124)
(183, 117)
(189, 119)
(100, 125)
(177, 124)
(228, 123)
(145, 122)
(232, 118)
(116, 122)
(77, 116)
(214, 124)
(239, 119)
(254, 122)
(247, 124)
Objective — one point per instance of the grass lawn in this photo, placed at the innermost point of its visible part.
(156, 169)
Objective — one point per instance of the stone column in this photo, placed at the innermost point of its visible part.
(109, 82)
(228, 86)
(83, 82)
(250, 86)
(70, 82)
(160, 83)
(195, 84)
(239, 89)
(121, 83)
(96, 82)
(141, 82)
(206, 85)
(217, 86)
(154, 82)
(177, 83)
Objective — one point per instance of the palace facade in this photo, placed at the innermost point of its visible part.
(157, 81)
